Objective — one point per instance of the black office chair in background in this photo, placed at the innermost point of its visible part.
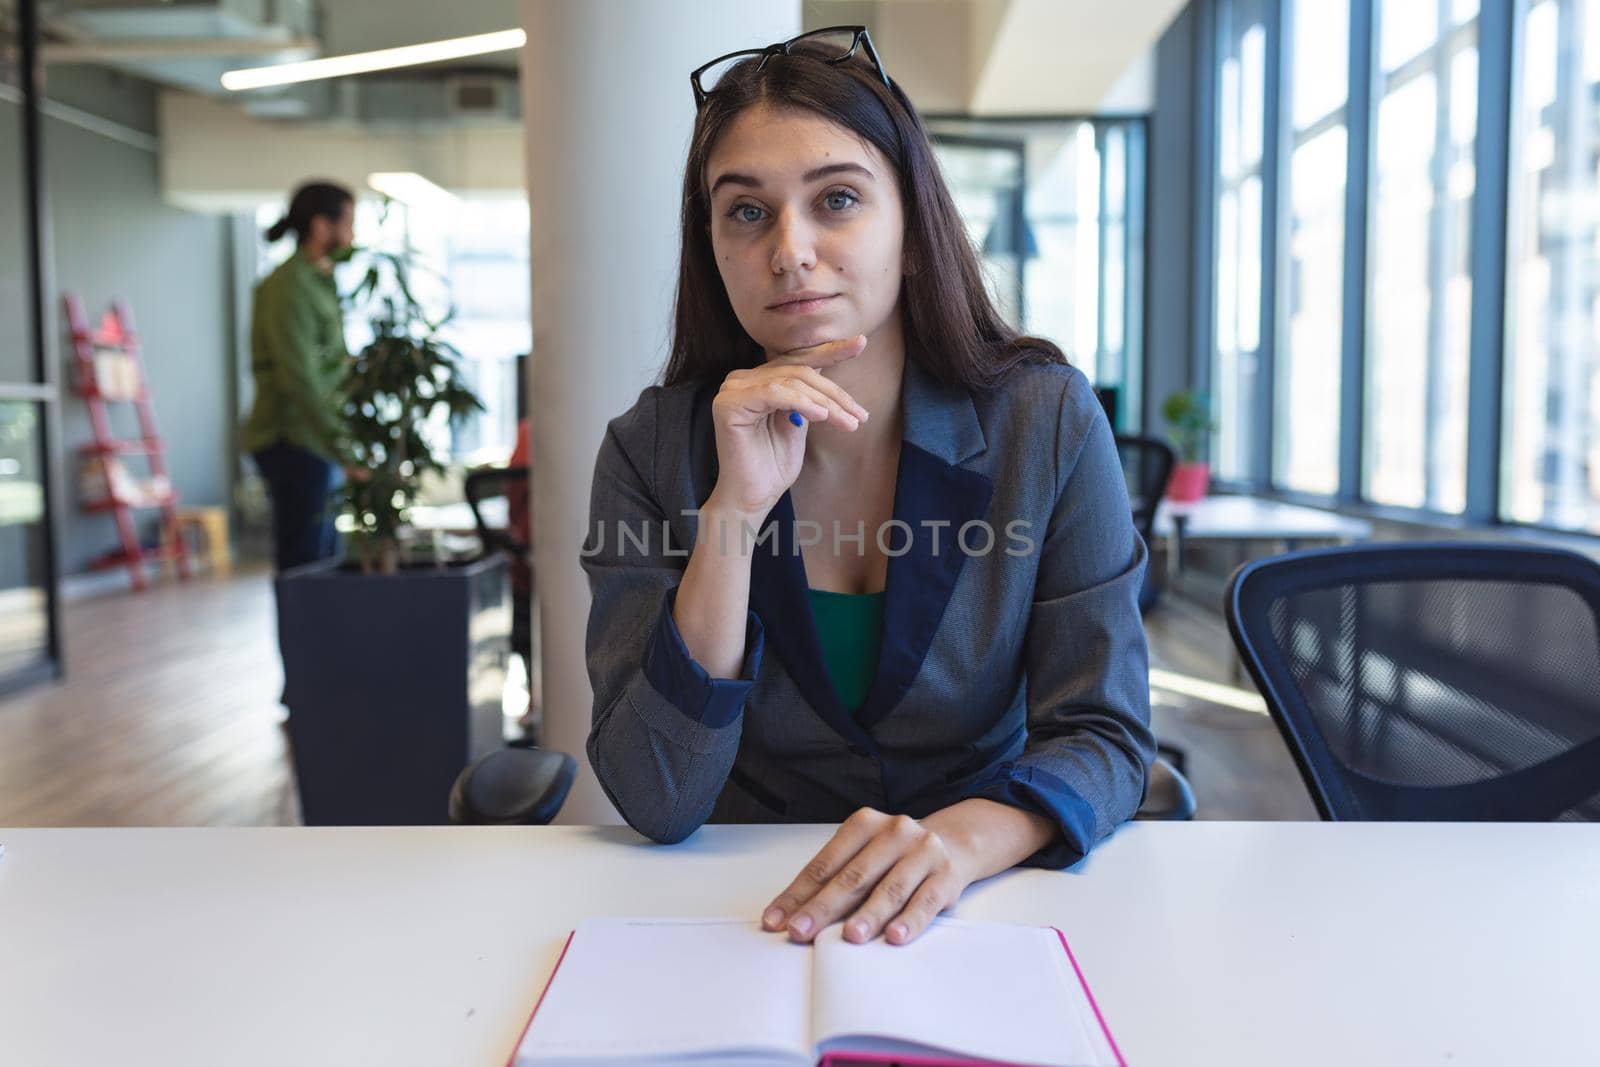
(523, 784)
(490, 483)
(1147, 464)
(1453, 681)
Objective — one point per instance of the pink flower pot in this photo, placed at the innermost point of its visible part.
(1189, 482)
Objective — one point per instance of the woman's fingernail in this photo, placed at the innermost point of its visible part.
(858, 928)
(773, 917)
(801, 925)
(796, 418)
(898, 931)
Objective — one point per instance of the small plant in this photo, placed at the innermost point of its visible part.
(1189, 415)
(392, 389)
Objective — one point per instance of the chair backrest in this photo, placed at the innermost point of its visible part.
(1453, 681)
(486, 483)
(1147, 464)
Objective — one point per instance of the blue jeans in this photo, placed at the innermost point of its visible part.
(300, 483)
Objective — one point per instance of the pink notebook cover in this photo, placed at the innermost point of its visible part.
(845, 1059)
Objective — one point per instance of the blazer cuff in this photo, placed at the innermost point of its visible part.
(672, 672)
(1041, 792)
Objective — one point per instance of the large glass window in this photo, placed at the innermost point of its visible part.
(1241, 97)
(471, 258)
(1055, 208)
(1419, 273)
(1305, 453)
(1550, 459)
(26, 601)
(24, 605)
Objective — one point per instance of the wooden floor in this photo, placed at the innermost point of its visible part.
(1236, 761)
(169, 717)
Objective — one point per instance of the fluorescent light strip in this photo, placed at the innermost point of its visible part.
(1226, 695)
(410, 55)
(409, 187)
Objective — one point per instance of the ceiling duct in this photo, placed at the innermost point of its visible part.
(420, 101)
(182, 43)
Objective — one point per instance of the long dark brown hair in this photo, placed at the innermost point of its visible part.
(950, 326)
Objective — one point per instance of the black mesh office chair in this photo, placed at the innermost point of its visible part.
(522, 784)
(1451, 681)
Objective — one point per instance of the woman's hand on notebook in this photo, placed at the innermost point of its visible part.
(880, 874)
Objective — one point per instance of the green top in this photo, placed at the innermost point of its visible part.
(298, 357)
(850, 628)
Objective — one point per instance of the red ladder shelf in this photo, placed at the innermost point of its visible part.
(110, 369)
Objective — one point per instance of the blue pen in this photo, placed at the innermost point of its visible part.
(794, 417)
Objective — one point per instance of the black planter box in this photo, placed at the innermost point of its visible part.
(393, 684)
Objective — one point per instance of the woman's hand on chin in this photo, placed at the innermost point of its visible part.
(759, 448)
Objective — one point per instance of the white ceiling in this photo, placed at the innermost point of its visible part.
(1013, 56)
(978, 56)
(1067, 55)
(984, 56)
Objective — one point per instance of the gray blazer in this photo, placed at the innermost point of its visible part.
(1015, 671)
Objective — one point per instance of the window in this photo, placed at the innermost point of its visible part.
(1241, 96)
(470, 255)
(1419, 271)
(1305, 452)
(486, 260)
(1055, 209)
(25, 607)
(1550, 452)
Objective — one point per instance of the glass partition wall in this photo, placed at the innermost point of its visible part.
(28, 644)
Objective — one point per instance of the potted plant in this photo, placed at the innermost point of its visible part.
(1189, 415)
(396, 386)
(392, 670)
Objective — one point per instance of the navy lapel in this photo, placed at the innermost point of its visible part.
(778, 593)
(934, 496)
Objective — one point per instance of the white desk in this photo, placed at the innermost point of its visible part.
(457, 518)
(1205, 943)
(1248, 518)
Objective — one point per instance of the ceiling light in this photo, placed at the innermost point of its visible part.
(410, 55)
(410, 188)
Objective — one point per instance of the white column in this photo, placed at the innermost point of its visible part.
(608, 112)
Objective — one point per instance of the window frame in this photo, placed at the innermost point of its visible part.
(1287, 140)
(1258, 455)
(1497, 26)
(1135, 244)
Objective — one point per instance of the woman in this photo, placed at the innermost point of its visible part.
(898, 584)
(297, 354)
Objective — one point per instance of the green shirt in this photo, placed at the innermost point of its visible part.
(298, 356)
(850, 629)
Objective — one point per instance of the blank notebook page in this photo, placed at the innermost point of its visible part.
(986, 990)
(651, 988)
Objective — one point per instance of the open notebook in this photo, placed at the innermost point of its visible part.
(648, 991)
